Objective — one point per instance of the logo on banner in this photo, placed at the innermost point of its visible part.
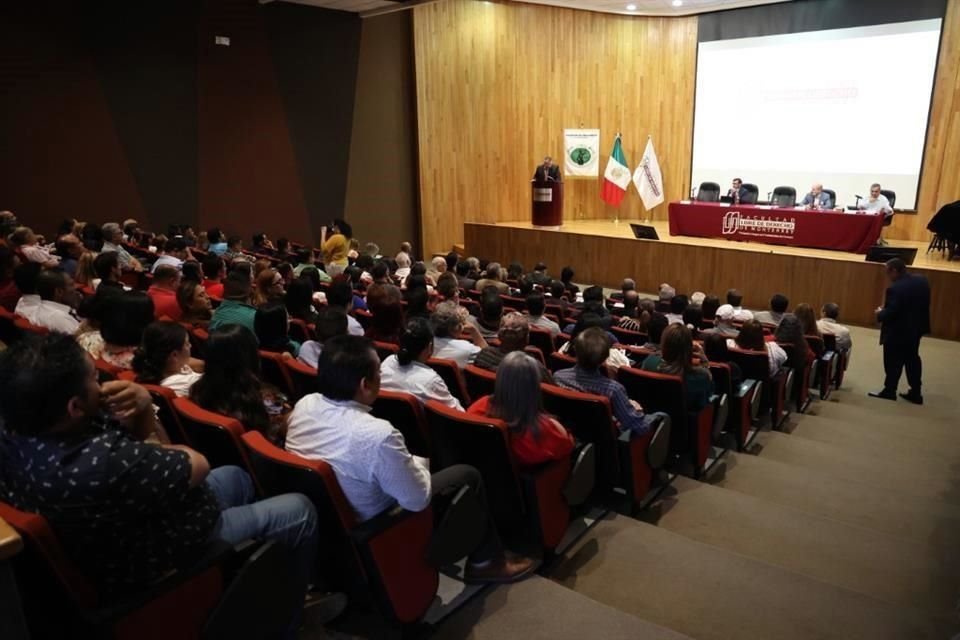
(736, 223)
(581, 152)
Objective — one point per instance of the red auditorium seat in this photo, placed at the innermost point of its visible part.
(826, 366)
(300, 330)
(385, 556)
(514, 304)
(167, 414)
(843, 359)
(799, 390)
(26, 327)
(450, 372)
(303, 377)
(385, 349)
(755, 365)
(215, 436)
(691, 434)
(560, 361)
(628, 337)
(405, 412)
(274, 370)
(543, 340)
(627, 461)
(107, 371)
(480, 382)
(744, 402)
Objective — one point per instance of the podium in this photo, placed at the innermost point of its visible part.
(547, 203)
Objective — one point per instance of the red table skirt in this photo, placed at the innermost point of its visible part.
(851, 232)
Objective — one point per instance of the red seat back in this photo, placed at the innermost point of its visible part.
(626, 336)
(28, 327)
(405, 413)
(216, 436)
(543, 340)
(660, 392)
(274, 370)
(167, 414)
(300, 330)
(450, 372)
(303, 377)
(590, 419)
(480, 382)
(385, 349)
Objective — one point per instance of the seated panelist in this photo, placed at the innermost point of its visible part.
(817, 198)
(547, 171)
(737, 191)
(877, 202)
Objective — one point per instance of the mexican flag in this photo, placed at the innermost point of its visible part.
(616, 178)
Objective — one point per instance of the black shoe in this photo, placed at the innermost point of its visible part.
(886, 395)
(913, 397)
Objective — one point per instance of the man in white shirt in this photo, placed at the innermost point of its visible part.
(876, 203)
(27, 242)
(25, 277)
(56, 292)
(735, 300)
(454, 337)
(779, 304)
(174, 254)
(370, 458)
(828, 324)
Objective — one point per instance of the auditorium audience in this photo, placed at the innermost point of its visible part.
(164, 358)
(417, 298)
(447, 287)
(268, 288)
(371, 461)
(494, 277)
(779, 304)
(693, 319)
(86, 276)
(340, 295)
(407, 370)
(386, 324)
(723, 322)
(124, 317)
(235, 308)
(657, 324)
(587, 320)
(808, 320)
(70, 249)
(709, 307)
(593, 349)
(491, 311)
(195, 307)
(454, 337)
(214, 272)
(678, 304)
(735, 300)
(335, 244)
(175, 252)
(566, 277)
(829, 323)
(26, 242)
(790, 332)
(680, 356)
(231, 383)
(513, 335)
(464, 280)
(25, 279)
(665, 295)
(438, 265)
(636, 312)
(9, 294)
(330, 322)
(536, 305)
(163, 292)
(751, 338)
(299, 301)
(403, 267)
(113, 241)
(716, 349)
(216, 244)
(535, 436)
(263, 245)
(127, 506)
(57, 297)
(272, 327)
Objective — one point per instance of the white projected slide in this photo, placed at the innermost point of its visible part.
(845, 107)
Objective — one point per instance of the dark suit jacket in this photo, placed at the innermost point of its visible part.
(906, 310)
(743, 193)
(554, 173)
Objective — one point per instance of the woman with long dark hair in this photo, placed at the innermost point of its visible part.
(123, 319)
(790, 332)
(164, 358)
(299, 301)
(195, 304)
(408, 371)
(535, 436)
(679, 356)
(751, 338)
(384, 302)
(272, 326)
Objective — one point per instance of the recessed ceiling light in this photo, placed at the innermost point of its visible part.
(631, 7)
(677, 3)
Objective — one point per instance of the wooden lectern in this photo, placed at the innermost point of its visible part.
(547, 199)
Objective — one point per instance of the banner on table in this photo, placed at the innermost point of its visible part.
(581, 153)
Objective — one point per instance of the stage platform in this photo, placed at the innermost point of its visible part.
(604, 252)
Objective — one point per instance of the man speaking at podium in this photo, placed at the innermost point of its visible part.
(547, 171)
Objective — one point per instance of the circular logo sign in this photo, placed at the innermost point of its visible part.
(580, 156)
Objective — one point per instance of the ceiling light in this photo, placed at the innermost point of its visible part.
(677, 3)
(631, 7)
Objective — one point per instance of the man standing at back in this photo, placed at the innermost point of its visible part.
(904, 318)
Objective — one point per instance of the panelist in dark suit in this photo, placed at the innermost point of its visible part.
(904, 319)
(547, 171)
(737, 191)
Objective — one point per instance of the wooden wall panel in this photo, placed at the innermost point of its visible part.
(498, 83)
(858, 287)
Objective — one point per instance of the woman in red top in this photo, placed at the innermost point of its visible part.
(535, 437)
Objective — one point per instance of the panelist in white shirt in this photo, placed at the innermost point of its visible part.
(876, 203)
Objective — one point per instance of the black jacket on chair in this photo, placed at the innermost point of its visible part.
(906, 310)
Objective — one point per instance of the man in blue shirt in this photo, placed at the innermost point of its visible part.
(817, 198)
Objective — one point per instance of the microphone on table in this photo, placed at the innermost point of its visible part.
(856, 205)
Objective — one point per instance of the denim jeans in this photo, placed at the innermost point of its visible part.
(289, 518)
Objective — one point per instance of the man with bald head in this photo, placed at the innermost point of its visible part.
(817, 198)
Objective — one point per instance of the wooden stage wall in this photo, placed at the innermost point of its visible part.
(857, 286)
(498, 82)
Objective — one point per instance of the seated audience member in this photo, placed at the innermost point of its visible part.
(535, 436)
(408, 371)
(371, 461)
(330, 322)
(272, 326)
(164, 358)
(113, 241)
(9, 293)
(724, 322)
(194, 304)
(163, 292)
(86, 273)
(464, 280)
(123, 319)
(299, 301)
(372, 249)
(536, 305)
(107, 266)
(491, 311)
(680, 356)
(566, 277)
(305, 262)
(25, 241)
(636, 313)
(626, 285)
(655, 327)
(452, 258)
(697, 298)
(235, 252)
(384, 302)
(25, 278)
(214, 272)
(191, 271)
(57, 297)
(790, 332)
(283, 248)
(438, 265)
(593, 301)
(828, 323)
(340, 295)
(269, 288)
(693, 319)
(514, 335)
(665, 295)
(231, 383)
(454, 337)
(403, 261)
(593, 349)
(716, 350)
(175, 252)
(262, 244)
(447, 287)
(91, 309)
(417, 298)
(101, 452)
(380, 273)
(808, 320)
(406, 249)
(217, 245)
(69, 248)
(494, 278)
(236, 307)
(259, 266)
(735, 300)
(751, 338)
(587, 320)
(539, 275)
(285, 269)
(678, 304)
(709, 307)
(778, 306)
